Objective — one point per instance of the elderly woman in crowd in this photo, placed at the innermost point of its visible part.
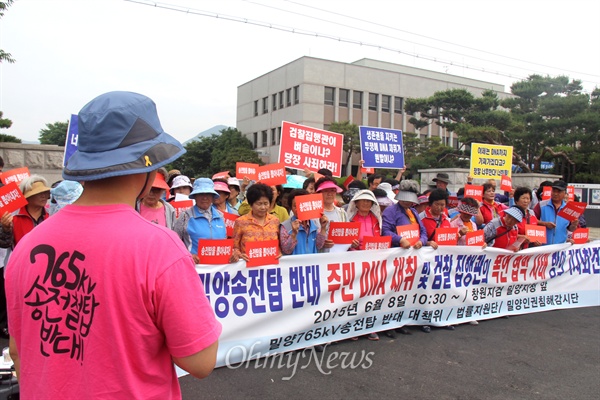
(434, 215)
(14, 226)
(490, 208)
(181, 187)
(329, 189)
(403, 213)
(234, 192)
(522, 198)
(280, 212)
(220, 202)
(258, 224)
(365, 209)
(302, 237)
(203, 220)
(502, 231)
(467, 210)
(153, 208)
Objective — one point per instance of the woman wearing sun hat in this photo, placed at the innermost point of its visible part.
(329, 189)
(502, 232)
(203, 220)
(221, 203)
(153, 208)
(404, 213)
(14, 226)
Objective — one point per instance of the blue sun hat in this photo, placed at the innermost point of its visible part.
(204, 186)
(120, 134)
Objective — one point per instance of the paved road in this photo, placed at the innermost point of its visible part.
(549, 355)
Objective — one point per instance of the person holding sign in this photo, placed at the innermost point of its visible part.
(203, 220)
(502, 231)
(153, 208)
(326, 185)
(181, 187)
(467, 210)
(365, 209)
(14, 226)
(434, 216)
(258, 224)
(97, 285)
(490, 208)
(546, 211)
(403, 213)
(302, 237)
(522, 198)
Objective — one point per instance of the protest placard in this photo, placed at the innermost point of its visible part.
(229, 222)
(181, 206)
(536, 233)
(15, 175)
(476, 238)
(215, 251)
(71, 140)
(272, 174)
(305, 147)
(490, 161)
(246, 170)
(505, 183)
(343, 232)
(377, 242)
(446, 236)
(11, 198)
(474, 191)
(263, 252)
(309, 206)
(572, 210)
(411, 232)
(381, 147)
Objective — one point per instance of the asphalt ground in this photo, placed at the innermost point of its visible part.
(548, 355)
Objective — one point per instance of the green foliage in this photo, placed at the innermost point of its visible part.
(4, 56)
(209, 155)
(55, 133)
(9, 138)
(351, 137)
(5, 123)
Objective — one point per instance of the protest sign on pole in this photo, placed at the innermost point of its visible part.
(381, 147)
(490, 161)
(303, 147)
(72, 138)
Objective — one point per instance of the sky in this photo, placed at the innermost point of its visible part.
(190, 62)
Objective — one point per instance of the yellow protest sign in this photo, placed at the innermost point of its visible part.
(490, 161)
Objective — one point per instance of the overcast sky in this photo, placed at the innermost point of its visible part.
(68, 52)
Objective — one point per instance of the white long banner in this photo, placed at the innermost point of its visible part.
(319, 298)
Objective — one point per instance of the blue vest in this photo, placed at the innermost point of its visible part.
(307, 241)
(548, 214)
(200, 228)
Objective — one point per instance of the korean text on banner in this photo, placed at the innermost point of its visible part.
(314, 299)
(381, 148)
(15, 175)
(72, 139)
(303, 147)
(490, 161)
(11, 198)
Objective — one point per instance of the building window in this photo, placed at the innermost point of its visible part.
(255, 108)
(278, 135)
(373, 101)
(255, 140)
(357, 99)
(281, 99)
(273, 137)
(329, 96)
(274, 102)
(296, 94)
(265, 105)
(265, 139)
(398, 105)
(344, 94)
(288, 97)
(385, 103)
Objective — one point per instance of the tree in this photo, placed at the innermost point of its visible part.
(351, 140)
(55, 133)
(6, 123)
(548, 119)
(209, 155)
(4, 56)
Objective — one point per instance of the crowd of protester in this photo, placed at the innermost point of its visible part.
(269, 212)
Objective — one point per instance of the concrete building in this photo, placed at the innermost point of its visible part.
(317, 92)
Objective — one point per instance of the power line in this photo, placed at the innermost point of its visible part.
(431, 38)
(269, 25)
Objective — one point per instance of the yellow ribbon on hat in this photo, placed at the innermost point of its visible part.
(148, 162)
